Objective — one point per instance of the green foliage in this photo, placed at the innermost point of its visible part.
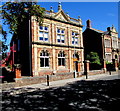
(3, 49)
(13, 13)
(9, 66)
(108, 62)
(93, 58)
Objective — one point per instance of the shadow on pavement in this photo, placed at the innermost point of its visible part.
(78, 96)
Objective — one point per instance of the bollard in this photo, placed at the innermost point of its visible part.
(86, 75)
(74, 74)
(110, 72)
(47, 80)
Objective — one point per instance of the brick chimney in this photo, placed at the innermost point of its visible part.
(88, 24)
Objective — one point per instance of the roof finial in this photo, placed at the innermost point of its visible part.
(67, 14)
(59, 6)
(112, 26)
(78, 17)
(51, 9)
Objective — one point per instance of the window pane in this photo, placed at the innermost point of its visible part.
(73, 33)
(76, 34)
(62, 37)
(47, 54)
(62, 41)
(72, 42)
(72, 38)
(41, 62)
(58, 30)
(41, 27)
(59, 55)
(58, 40)
(41, 34)
(59, 61)
(58, 36)
(63, 61)
(62, 31)
(40, 38)
(46, 62)
(46, 28)
(41, 54)
(46, 39)
(46, 36)
(44, 53)
(76, 40)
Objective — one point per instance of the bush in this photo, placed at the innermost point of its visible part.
(94, 59)
(107, 62)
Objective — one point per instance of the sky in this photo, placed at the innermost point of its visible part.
(101, 14)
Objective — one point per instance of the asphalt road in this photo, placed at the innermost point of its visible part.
(81, 95)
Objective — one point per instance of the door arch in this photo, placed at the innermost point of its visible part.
(75, 61)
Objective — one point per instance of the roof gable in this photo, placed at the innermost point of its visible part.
(60, 15)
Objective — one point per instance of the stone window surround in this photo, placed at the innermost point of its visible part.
(44, 57)
(47, 31)
(61, 34)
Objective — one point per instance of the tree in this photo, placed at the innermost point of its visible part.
(14, 13)
(93, 58)
(3, 49)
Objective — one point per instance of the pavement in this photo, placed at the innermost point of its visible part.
(76, 94)
(104, 76)
(97, 93)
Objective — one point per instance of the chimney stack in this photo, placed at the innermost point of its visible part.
(88, 24)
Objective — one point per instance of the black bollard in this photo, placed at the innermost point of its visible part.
(110, 72)
(86, 75)
(47, 80)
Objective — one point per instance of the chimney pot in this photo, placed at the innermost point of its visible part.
(88, 24)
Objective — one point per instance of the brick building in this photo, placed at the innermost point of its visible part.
(105, 43)
(54, 47)
(119, 48)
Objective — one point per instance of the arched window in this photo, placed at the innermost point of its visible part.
(76, 56)
(61, 59)
(44, 59)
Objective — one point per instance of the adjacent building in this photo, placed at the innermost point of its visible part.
(105, 43)
(54, 47)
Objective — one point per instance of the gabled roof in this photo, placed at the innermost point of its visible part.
(61, 16)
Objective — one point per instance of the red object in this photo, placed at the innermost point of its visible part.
(2, 76)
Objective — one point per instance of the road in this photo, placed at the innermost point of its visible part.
(98, 94)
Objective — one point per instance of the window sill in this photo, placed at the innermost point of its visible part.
(44, 67)
(61, 67)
